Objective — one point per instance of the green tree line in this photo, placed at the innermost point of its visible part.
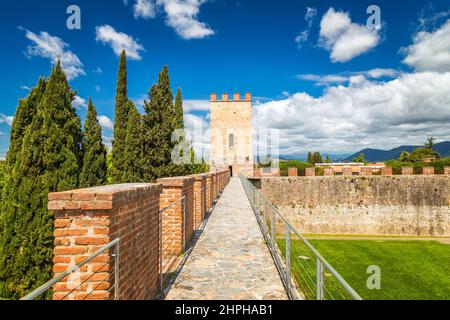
(50, 151)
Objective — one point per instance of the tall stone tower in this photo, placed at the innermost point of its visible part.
(232, 134)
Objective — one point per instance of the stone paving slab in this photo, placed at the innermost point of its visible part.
(230, 260)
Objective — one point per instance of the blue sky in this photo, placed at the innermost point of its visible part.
(315, 89)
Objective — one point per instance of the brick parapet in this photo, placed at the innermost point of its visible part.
(87, 219)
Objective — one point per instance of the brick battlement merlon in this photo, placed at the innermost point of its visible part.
(100, 198)
(236, 97)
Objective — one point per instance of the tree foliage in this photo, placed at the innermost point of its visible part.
(94, 168)
(120, 122)
(360, 159)
(158, 126)
(133, 147)
(49, 161)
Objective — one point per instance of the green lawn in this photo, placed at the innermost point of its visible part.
(416, 270)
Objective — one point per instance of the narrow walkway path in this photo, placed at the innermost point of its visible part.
(230, 260)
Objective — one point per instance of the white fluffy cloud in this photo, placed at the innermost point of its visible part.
(345, 39)
(79, 102)
(303, 36)
(6, 119)
(105, 122)
(430, 51)
(144, 9)
(54, 48)
(196, 105)
(362, 114)
(341, 78)
(181, 15)
(119, 41)
(197, 128)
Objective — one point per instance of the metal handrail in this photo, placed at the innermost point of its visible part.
(322, 262)
(172, 204)
(36, 293)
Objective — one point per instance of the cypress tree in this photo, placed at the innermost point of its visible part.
(22, 119)
(158, 128)
(133, 147)
(317, 158)
(94, 168)
(178, 117)
(178, 110)
(121, 120)
(49, 161)
(310, 158)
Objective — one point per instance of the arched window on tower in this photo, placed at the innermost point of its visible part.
(231, 141)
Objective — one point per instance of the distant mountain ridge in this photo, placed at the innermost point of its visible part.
(377, 155)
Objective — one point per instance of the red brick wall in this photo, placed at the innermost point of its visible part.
(386, 171)
(428, 170)
(200, 203)
(366, 171)
(328, 172)
(447, 170)
(175, 232)
(87, 219)
(209, 192)
(292, 172)
(215, 185)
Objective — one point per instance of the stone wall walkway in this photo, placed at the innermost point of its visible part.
(230, 260)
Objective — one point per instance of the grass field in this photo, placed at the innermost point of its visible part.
(410, 270)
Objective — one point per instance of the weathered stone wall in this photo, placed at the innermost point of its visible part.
(375, 205)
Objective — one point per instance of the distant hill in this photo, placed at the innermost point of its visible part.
(374, 155)
(304, 156)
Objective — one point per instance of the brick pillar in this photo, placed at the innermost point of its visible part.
(209, 192)
(366, 171)
(428, 171)
(87, 219)
(328, 172)
(386, 171)
(221, 175)
(214, 186)
(200, 198)
(310, 172)
(347, 171)
(407, 171)
(446, 170)
(176, 232)
(258, 173)
(292, 172)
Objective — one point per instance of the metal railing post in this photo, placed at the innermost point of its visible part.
(117, 272)
(319, 280)
(272, 228)
(161, 251)
(265, 217)
(204, 205)
(288, 258)
(195, 210)
(184, 225)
